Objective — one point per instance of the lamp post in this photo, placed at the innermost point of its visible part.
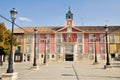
(45, 52)
(10, 61)
(108, 59)
(34, 62)
(96, 62)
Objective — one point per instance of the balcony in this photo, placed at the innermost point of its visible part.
(69, 42)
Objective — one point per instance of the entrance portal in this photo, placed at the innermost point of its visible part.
(69, 57)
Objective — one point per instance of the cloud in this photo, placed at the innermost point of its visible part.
(24, 19)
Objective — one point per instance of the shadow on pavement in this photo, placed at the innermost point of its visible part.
(68, 75)
(116, 66)
(91, 76)
(115, 63)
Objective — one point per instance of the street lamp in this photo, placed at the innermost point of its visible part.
(96, 62)
(34, 62)
(10, 61)
(45, 52)
(108, 59)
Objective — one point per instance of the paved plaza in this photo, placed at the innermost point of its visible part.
(82, 70)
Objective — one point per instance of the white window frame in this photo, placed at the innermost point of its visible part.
(37, 38)
(91, 48)
(28, 38)
(80, 49)
(48, 48)
(28, 49)
(91, 37)
(58, 37)
(19, 38)
(80, 38)
(102, 37)
(112, 38)
(69, 48)
(102, 48)
(58, 48)
(48, 38)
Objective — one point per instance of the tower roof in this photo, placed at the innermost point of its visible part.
(69, 14)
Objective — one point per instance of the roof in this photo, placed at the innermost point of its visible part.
(53, 29)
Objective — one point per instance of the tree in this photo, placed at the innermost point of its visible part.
(2, 29)
(5, 39)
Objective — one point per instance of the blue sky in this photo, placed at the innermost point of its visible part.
(52, 12)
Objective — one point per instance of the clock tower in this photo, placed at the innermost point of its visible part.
(69, 19)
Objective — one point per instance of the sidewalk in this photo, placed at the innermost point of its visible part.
(82, 70)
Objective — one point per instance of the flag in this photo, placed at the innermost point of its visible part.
(74, 37)
(69, 37)
(64, 37)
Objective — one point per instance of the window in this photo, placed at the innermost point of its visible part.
(91, 48)
(37, 38)
(58, 47)
(102, 48)
(48, 38)
(80, 49)
(19, 38)
(91, 37)
(28, 49)
(28, 39)
(52, 56)
(58, 38)
(112, 39)
(69, 48)
(101, 37)
(47, 48)
(37, 48)
(64, 37)
(79, 38)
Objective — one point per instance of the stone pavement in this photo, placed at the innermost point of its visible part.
(82, 70)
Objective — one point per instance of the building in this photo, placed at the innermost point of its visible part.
(67, 43)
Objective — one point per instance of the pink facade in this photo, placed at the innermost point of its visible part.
(87, 43)
(86, 38)
(52, 43)
(42, 44)
(97, 42)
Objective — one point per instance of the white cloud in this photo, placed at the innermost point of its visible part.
(24, 19)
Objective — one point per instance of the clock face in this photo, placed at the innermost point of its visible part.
(69, 23)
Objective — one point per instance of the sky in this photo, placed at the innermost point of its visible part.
(52, 12)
